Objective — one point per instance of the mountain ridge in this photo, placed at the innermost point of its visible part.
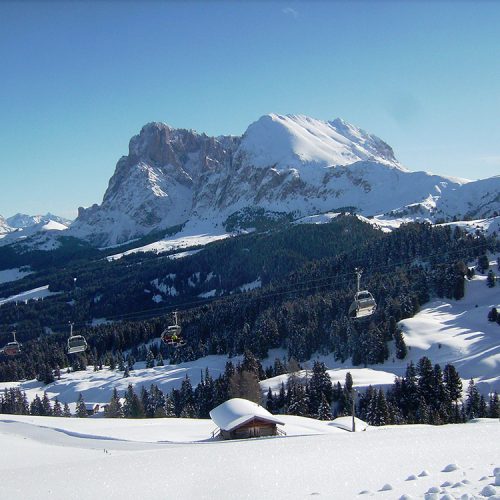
(291, 164)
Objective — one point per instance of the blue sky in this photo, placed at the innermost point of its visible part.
(78, 79)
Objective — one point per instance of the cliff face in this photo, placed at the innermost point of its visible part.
(292, 164)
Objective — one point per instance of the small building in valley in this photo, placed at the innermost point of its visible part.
(239, 419)
(92, 408)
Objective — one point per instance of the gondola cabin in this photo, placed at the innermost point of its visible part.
(240, 419)
(12, 349)
(363, 305)
(76, 343)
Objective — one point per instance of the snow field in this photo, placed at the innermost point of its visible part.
(9, 275)
(34, 294)
(40, 461)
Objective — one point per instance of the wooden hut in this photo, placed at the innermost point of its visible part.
(239, 419)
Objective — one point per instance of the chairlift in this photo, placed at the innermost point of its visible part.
(76, 343)
(172, 335)
(364, 304)
(12, 348)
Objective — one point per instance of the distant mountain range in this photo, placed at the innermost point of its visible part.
(20, 227)
(282, 165)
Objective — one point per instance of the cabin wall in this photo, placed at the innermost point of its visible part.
(250, 430)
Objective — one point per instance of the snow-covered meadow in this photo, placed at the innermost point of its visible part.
(57, 458)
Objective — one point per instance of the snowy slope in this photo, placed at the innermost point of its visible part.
(42, 236)
(292, 140)
(8, 275)
(34, 294)
(53, 458)
(446, 331)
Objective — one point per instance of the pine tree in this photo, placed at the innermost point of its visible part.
(121, 362)
(494, 406)
(453, 383)
(324, 410)
(114, 407)
(483, 263)
(132, 407)
(66, 411)
(36, 406)
(483, 409)
(493, 314)
(270, 404)
(281, 401)
(298, 404)
(46, 407)
(473, 401)
(81, 410)
(490, 279)
(320, 384)
(159, 360)
(426, 380)
(401, 349)
(57, 410)
(169, 408)
(150, 359)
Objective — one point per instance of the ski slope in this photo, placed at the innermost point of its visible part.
(34, 294)
(57, 458)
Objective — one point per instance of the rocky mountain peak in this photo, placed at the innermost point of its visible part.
(282, 163)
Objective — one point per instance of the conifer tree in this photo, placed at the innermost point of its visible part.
(298, 404)
(36, 406)
(66, 411)
(483, 408)
(494, 406)
(81, 410)
(493, 314)
(453, 383)
(270, 404)
(473, 401)
(132, 407)
(46, 407)
(114, 407)
(483, 263)
(159, 360)
(57, 410)
(150, 359)
(490, 279)
(324, 410)
(426, 379)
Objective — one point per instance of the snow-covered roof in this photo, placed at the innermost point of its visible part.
(235, 412)
(346, 423)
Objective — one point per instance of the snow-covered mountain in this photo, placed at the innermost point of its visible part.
(292, 164)
(4, 226)
(40, 236)
(21, 221)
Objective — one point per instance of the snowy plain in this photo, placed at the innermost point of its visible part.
(58, 458)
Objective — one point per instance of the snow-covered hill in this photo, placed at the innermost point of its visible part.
(289, 164)
(40, 236)
(60, 458)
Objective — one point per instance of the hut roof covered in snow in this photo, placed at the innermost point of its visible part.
(236, 412)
